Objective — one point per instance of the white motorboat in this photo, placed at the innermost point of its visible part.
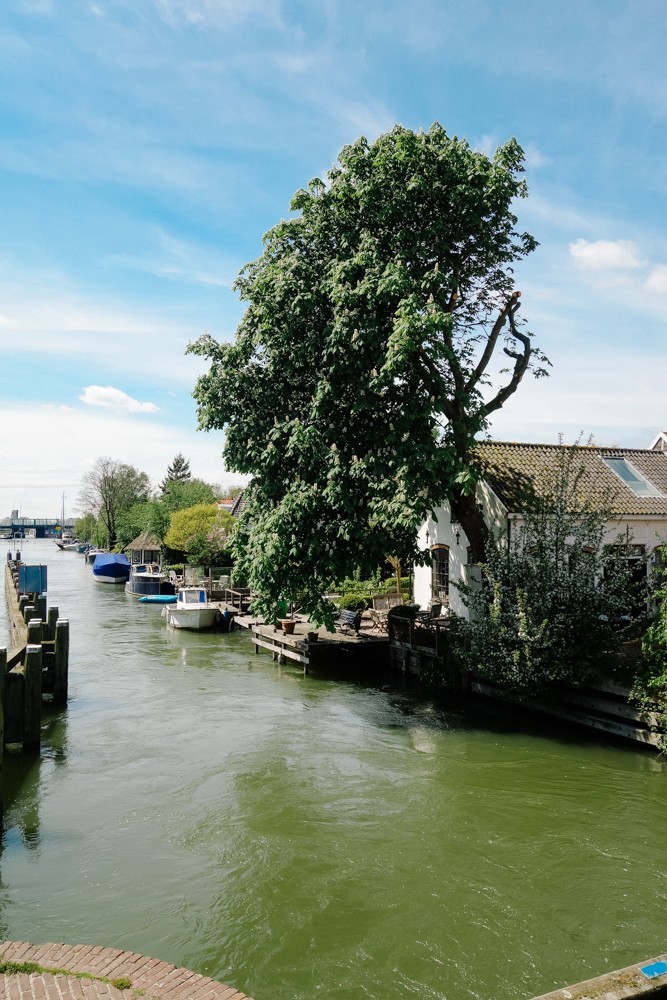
(192, 609)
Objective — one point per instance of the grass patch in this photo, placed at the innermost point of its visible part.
(30, 968)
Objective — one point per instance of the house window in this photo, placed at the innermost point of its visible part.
(440, 571)
(637, 482)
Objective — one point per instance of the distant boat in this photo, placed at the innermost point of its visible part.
(146, 579)
(192, 610)
(111, 567)
(91, 553)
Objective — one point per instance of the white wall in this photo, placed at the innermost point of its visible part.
(440, 533)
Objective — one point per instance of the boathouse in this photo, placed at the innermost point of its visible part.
(144, 549)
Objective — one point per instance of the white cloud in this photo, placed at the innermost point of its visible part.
(605, 255)
(534, 157)
(148, 445)
(114, 399)
(657, 280)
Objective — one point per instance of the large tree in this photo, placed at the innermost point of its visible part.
(365, 363)
(109, 489)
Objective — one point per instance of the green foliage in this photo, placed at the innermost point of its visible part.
(132, 522)
(178, 471)
(183, 493)
(354, 389)
(353, 602)
(649, 690)
(552, 604)
(85, 528)
(202, 531)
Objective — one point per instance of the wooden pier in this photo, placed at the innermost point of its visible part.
(34, 668)
(308, 645)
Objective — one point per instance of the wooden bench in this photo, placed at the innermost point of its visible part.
(348, 621)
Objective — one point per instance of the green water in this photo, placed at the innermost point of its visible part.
(320, 836)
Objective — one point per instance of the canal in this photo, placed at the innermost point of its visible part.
(325, 836)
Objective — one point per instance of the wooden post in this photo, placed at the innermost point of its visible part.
(40, 605)
(23, 601)
(3, 671)
(61, 665)
(32, 698)
(51, 624)
(28, 612)
(34, 632)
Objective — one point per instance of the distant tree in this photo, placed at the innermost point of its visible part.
(232, 492)
(85, 527)
(137, 519)
(178, 471)
(109, 489)
(179, 494)
(366, 362)
(197, 523)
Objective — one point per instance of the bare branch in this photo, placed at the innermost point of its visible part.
(507, 312)
(521, 359)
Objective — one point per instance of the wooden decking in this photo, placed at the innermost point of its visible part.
(308, 644)
(86, 972)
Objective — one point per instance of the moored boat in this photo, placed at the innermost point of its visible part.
(192, 610)
(91, 554)
(111, 567)
(146, 579)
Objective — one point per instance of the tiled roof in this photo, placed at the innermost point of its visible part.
(513, 471)
(240, 504)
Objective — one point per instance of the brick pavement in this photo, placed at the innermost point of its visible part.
(150, 978)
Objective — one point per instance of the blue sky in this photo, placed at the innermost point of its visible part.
(146, 146)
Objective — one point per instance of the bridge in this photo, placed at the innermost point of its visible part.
(34, 527)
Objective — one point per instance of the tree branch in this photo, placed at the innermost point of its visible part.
(506, 312)
(520, 366)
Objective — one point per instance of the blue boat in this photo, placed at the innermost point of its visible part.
(158, 599)
(111, 567)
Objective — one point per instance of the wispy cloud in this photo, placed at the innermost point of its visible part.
(114, 399)
(606, 255)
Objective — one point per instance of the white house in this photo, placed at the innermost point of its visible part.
(635, 477)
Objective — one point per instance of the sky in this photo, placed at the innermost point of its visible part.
(147, 145)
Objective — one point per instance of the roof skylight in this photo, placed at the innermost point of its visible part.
(637, 482)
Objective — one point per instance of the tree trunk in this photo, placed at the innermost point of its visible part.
(466, 511)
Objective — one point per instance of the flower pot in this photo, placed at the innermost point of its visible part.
(312, 636)
(287, 625)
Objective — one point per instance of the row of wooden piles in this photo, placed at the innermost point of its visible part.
(34, 669)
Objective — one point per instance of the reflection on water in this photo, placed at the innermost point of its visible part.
(302, 837)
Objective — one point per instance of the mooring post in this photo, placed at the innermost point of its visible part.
(32, 698)
(23, 601)
(61, 662)
(51, 624)
(35, 632)
(40, 605)
(29, 612)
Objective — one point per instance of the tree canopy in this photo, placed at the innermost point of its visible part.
(365, 363)
(109, 490)
(200, 529)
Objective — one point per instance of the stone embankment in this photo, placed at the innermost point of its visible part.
(86, 972)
